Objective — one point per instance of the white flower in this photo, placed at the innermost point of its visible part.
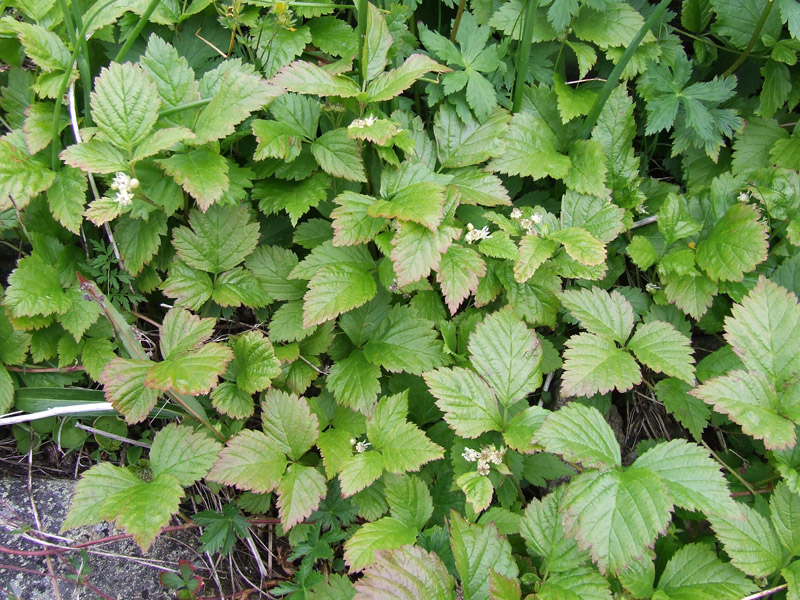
(470, 455)
(361, 123)
(743, 197)
(651, 288)
(473, 235)
(361, 447)
(516, 214)
(537, 219)
(122, 184)
(483, 468)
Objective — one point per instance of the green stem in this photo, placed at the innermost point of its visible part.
(457, 21)
(753, 39)
(728, 468)
(182, 107)
(616, 73)
(133, 35)
(524, 54)
(361, 10)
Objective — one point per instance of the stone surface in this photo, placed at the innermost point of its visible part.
(118, 569)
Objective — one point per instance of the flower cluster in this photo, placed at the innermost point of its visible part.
(368, 122)
(531, 226)
(361, 447)
(474, 235)
(488, 455)
(122, 185)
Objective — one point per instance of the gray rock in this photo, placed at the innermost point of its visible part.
(118, 569)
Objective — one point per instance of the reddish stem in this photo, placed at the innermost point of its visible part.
(32, 572)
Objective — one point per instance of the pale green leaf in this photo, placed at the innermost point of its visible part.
(520, 429)
(750, 542)
(581, 245)
(182, 331)
(6, 391)
(289, 423)
(229, 400)
(785, 515)
(355, 382)
(351, 222)
(421, 202)
(615, 25)
(581, 435)
(593, 365)
(608, 315)
(479, 187)
(693, 293)
(95, 486)
(407, 573)
(389, 84)
(664, 349)
(183, 453)
(696, 573)
(194, 372)
(239, 286)
(409, 499)
(458, 274)
(124, 385)
(383, 534)
(335, 289)
(736, 244)
(463, 143)
(543, 532)
(339, 156)
(94, 156)
(377, 43)
(277, 139)
(307, 78)
(587, 175)
(530, 150)
(469, 406)
(190, 287)
(477, 489)
(250, 461)
(272, 266)
(416, 250)
(33, 289)
(533, 251)
(359, 471)
(67, 196)
(405, 342)
(201, 172)
(255, 364)
(299, 493)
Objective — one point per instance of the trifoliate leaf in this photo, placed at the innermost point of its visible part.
(693, 293)
(616, 514)
(184, 453)
(736, 244)
(581, 245)
(507, 355)
(351, 222)
(391, 83)
(255, 364)
(751, 401)
(250, 461)
(764, 331)
(335, 289)
(383, 534)
(190, 287)
(409, 499)
(299, 494)
(664, 349)
(593, 365)
(355, 382)
(750, 542)
(530, 150)
(690, 411)
(458, 274)
(221, 530)
(34, 289)
(693, 478)
(125, 104)
(469, 406)
(289, 422)
(533, 251)
(606, 314)
(476, 549)
(201, 172)
(407, 573)
(543, 533)
(581, 435)
(124, 386)
(405, 342)
(696, 573)
(219, 239)
(339, 156)
(416, 250)
(95, 486)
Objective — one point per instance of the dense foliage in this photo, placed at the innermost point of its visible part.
(496, 299)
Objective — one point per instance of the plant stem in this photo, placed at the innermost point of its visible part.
(457, 21)
(361, 15)
(753, 39)
(616, 72)
(728, 468)
(765, 593)
(133, 35)
(524, 54)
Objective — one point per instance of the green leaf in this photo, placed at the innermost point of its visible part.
(462, 143)
(530, 150)
(751, 401)
(507, 355)
(190, 287)
(228, 399)
(335, 289)
(377, 42)
(476, 549)
(583, 583)
(587, 175)
(161, 140)
(221, 530)
(407, 573)
(477, 488)
(21, 177)
(479, 187)
(239, 286)
(255, 364)
(469, 406)
(33, 289)
(581, 435)
(389, 84)
(173, 77)
(543, 532)
(352, 224)
(533, 251)
(593, 365)
(272, 266)
(144, 508)
(125, 104)
(616, 514)
(219, 239)
(691, 412)
(194, 372)
(289, 422)
(693, 293)
(664, 349)
(94, 156)
(307, 78)
(696, 573)
(13, 344)
(581, 245)
(67, 196)
(299, 493)
(277, 139)
(383, 534)
(339, 156)
(458, 274)
(421, 202)
(43, 47)
(642, 252)
(750, 542)
(81, 315)
(185, 454)
(359, 471)
(326, 255)
(124, 385)
(616, 25)
(693, 478)
(791, 575)
(608, 315)
(520, 429)
(250, 461)
(94, 488)
(785, 515)
(405, 342)
(764, 331)
(202, 173)
(6, 391)
(416, 250)
(355, 382)
(736, 244)
(409, 500)
(295, 199)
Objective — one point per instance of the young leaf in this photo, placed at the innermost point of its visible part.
(690, 411)
(409, 500)
(469, 406)
(95, 486)
(608, 315)
(616, 514)
(194, 372)
(358, 471)
(184, 453)
(407, 573)
(750, 542)
(352, 223)
(299, 494)
(307, 78)
(389, 84)
(250, 461)
(581, 435)
(463, 143)
(580, 245)
(339, 156)
(533, 251)
(124, 386)
(593, 365)
(664, 349)
(33, 289)
(421, 202)
(377, 42)
(736, 244)
(383, 534)
(220, 530)
(289, 422)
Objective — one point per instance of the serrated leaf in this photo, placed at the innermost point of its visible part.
(693, 293)
(81, 315)
(95, 486)
(295, 198)
(144, 508)
(463, 143)
(750, 542)
(124, 386)
(277, 139)
(479, 187)
(507, 355)
(764, 331)
(614, 26)
(407, 573)
(593, 364)
(21, 176)
(255, 362)
(201, 172)
(752, 402)
(690, 411)
(33, 289)
(239, 286)
(307, 78)
(183, 453)
(458, 274)
(583, 583)
(190, 287)
(469, 406)
(533, 251)
(139, 240)
(67, 196)
(784, 511)
(125, 104)
(339, 156)
(218, 240)
(95, 156)
(664, 349)
(161, 140)
(477, 489)
(405, 342)
(421, 202)
(520, 429)
(581, 435)
(543, 533)
(530, 150)
(194, 372)
(355, 382)
(391, 83)
(173, 77)
(476, 549)
(606, 314)
(693, 478)
(351, 222)
(335, 289)
(359, 471)
(299, 493)
(377, 42)
(228, 399)
(383, 534)
(289, 422)
(45, 48)
(221, 530)
(736, 244)
(272, 266)
(409, 499)
(581, 245)
(696, 573)
(587, 175)
(416, 250)
(250, 461)
(616, 514)
(642, 252)
(326, 254)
